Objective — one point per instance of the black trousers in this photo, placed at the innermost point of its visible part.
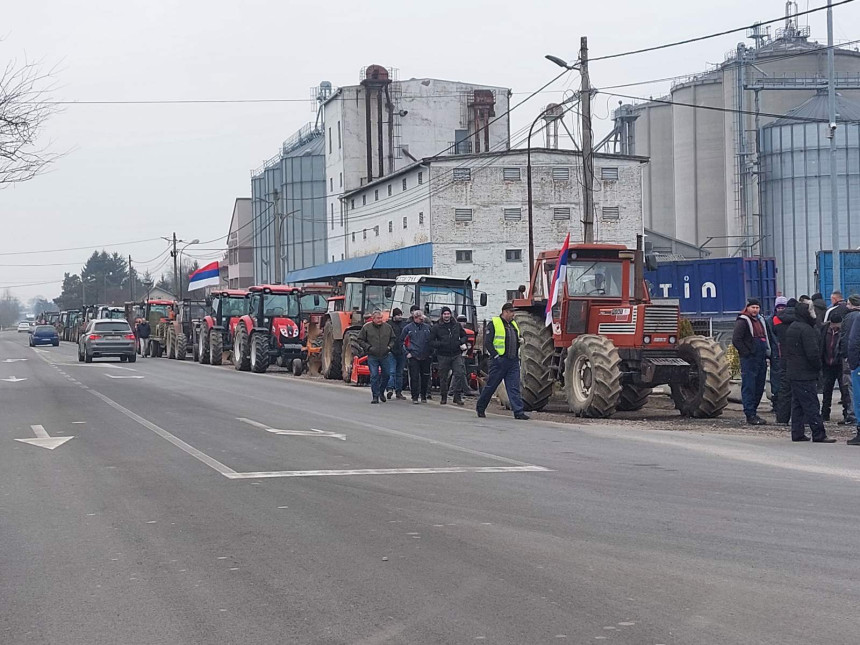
(783, 399)
(419, 377)
(831, 375)
(805, 410)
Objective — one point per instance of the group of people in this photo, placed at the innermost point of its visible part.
(397, 345)
(809, 345)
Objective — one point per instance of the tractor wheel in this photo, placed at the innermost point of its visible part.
(331, 355)
(195, 346)
(259, 353)
(348, 348)
(170, 343)
(180, 346)
(203, 346)
(298, 367)
(633, 397)
(535, 360)
(706, 394)
(241, 350)
(592, 377)
(214, 348)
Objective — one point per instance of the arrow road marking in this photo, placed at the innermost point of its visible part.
(13, 379)
(14, 360)
(114, 376)
(43, 440)
(313, 432)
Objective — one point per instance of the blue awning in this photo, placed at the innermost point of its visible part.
(419, 256)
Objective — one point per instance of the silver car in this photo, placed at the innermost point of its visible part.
(105, 337)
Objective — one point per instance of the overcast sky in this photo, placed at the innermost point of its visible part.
(134, 172)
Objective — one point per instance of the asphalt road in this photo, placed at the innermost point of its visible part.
(200, 505)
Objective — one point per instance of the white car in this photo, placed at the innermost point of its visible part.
(24, 326)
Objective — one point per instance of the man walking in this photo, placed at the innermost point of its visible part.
(448, 340)
(832, 371)
(852, 315)
(502, 342)
(750, 338)
(397, 358)
(377, 339)
(143, 331)
(781, 323)
(803, 354)
(854, 365)
(416, 340)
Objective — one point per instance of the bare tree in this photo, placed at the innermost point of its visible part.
(24, 110)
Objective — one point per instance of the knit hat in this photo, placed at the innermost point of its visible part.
(444, 309)
(854, 299)
(396, 312)
(817, 296)
(781, 301)
(792, 302)
(835, 318)
(753, 302)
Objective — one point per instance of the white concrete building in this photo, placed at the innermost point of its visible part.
(471, 213)
(240, 250)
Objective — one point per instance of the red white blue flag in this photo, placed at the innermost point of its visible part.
(557, 280)
(207, 276)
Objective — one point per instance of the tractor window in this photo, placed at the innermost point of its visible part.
(281, 304)
(458, 299)
(404, 297)
(231, 307)
(308, 305)
(374, 298)
(353, 296)
(586, 278)
(196, 312)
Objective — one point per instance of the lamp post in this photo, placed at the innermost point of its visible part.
(194, 241)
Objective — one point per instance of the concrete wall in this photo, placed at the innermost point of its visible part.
(240, 253)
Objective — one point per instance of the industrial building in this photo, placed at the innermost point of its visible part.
(708, 184)
(239, 259)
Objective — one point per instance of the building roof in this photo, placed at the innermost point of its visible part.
(818, 108)
(409, 257)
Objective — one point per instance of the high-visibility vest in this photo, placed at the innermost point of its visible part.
(499, 334)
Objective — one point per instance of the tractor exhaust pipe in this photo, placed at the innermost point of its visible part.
(639, 271)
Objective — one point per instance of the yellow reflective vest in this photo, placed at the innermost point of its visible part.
(499, 334)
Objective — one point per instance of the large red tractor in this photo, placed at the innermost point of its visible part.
(270, 330)
(180, 330)
(608, 345)
(214, 335)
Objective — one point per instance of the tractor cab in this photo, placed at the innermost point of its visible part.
(362, 296)
(270, 331)
(432, 292)
(213, 335)
(276, 308)
(156, 311)
(111, 313)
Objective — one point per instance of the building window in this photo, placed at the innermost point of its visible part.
(513, 255)
(420, 178)
(513, 214)
(561, 174)
(376, 195)
(341, 214)
(462, 214)
(341, 256)
(332, 216)
(376, 230)
(464, 256)
(611, 213)
(332, 258)
(511, 174)
(353, 236)
(405, 221)
(609, 173)
(389, 190)
(404, 183)
(341, 180)
(364, 233)
(339, 140)
(331, 184)
(420, 218)
(390, 226)
(364, 200)
(462, 174)
(329, 140)
(561, 213)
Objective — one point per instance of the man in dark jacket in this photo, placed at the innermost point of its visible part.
(852, 309)
(502, 342)
(803, 360)
(832, 371)
(377, 339)
(819, 308)
(448, 340)
(416, 341)
(143, 332)
(397, 358)
(853, 354)
(781, 323)
(750, 338)
(838, 304)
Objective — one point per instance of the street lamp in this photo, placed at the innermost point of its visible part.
(194, 241)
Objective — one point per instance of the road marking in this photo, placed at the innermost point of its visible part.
(313, 432)
(117, 376)
(14, 360)
(43, 440)
(390, 471)
(13, 379)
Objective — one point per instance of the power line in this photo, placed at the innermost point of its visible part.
(82, 248)
(714, 35)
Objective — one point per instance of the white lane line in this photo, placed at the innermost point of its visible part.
(389, 471)
(117, 376)
(313, 432)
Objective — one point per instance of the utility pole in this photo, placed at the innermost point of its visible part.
(831, 95)
(587, 146)
(130, 280)
(175, 268)
(278, 252)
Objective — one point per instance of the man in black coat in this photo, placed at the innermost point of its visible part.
(832, 369)
(803, 362)
(448, 340)
(781, 323)
(752, 341)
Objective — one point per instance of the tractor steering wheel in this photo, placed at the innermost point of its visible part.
(276, 311)
(596, 292)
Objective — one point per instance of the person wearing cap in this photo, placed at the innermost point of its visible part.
(397, 357)
(780, 304)
(416, 341)
(752, 341)
(832, 370)
(448, 340)
(502, 343)
(803, 355)
(781, 322)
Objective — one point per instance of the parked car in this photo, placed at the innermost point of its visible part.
(23, 326)
(103, 338)
(44, 335)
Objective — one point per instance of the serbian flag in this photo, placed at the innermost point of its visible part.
(207, 276)
(557, 280)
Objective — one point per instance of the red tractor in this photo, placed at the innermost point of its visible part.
(269, 331)
(314, 312)
(180, 330)
(608, 345)
(214, 335)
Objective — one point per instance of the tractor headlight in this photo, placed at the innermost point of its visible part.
(647, 340)
(672, 339)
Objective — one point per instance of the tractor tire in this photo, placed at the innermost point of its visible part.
(633, 397)
(241, 350)
(536, 355)
(170, 343)
(298, 367)
(707, 393)
(180, 346)
(203, 346)
(592, 377)
(195, 346)
(331, 354)
(259, 353)
(214, 348)
(348, 348)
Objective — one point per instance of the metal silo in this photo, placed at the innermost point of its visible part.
(795, 188)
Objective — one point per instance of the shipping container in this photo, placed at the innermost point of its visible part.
(849, 272)
(715, 288)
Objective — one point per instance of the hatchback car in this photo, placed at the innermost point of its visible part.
(23, 326)
(104, 338)
(44, 335)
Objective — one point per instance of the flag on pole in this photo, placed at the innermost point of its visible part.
(207, 276)
(557, 280)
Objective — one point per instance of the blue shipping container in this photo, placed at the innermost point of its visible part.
(849, 272)
(715, 288)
